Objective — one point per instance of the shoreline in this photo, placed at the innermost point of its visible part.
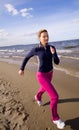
(68, 66)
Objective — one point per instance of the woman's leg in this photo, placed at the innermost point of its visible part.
(44, 80)
(40, 93)
(41, 89)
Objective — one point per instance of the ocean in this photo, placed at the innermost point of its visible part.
(67, 50)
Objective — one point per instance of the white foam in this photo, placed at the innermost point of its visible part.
(64, 51)
(3, 50)
(11, 51)
(69, 57)
(75, 74)
(20, 50)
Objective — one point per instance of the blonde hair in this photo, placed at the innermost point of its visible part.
(41, 31)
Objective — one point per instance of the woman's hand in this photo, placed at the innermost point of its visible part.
(52, 50)
(21, 72)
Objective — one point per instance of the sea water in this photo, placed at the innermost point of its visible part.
(68, 52)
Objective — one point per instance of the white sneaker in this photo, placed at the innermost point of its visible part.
(60, 124)
(38, 102)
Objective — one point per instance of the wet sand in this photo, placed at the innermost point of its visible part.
(18, 109)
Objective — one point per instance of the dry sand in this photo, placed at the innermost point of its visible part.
(18, 109)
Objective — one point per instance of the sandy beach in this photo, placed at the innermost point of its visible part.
(18, 109)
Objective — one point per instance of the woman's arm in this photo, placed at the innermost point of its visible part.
(56, 58)
(28, 56)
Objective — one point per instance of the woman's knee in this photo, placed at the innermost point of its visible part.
(55, 97)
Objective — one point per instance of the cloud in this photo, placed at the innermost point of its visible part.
(31, 34)
(13, 38)
(10, 8)
(3, 34)
(75, 21)
(23, 12)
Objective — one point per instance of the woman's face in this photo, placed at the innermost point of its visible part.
(44, 38)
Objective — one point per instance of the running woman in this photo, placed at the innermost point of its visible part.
(47, 55)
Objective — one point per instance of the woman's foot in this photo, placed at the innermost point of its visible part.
(38, 102)
(60, 124)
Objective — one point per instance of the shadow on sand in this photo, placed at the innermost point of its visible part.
(73, 123)
(64, 101)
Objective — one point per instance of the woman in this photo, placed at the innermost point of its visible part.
(46, 54)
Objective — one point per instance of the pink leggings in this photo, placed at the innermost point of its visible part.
(44, 80)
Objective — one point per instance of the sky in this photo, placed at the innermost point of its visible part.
(20, 20)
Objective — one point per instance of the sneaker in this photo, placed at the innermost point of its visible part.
(38, 102)
(60, 124)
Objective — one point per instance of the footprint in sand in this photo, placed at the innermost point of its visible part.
(12, 113)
